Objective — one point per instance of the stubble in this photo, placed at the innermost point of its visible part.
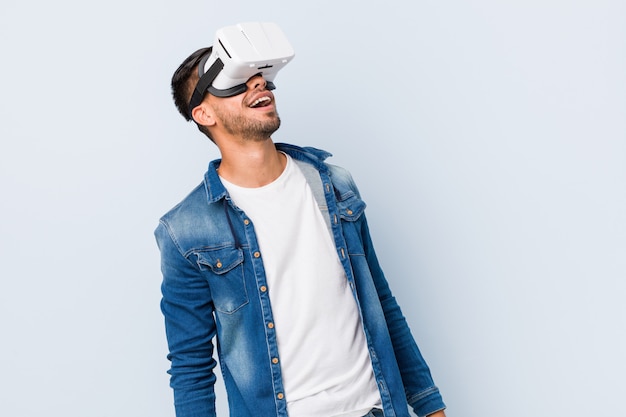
(247, 128)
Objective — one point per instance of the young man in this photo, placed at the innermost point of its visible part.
(271, 257)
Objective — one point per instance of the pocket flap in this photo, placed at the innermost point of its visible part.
(351, 209)
(219, 261)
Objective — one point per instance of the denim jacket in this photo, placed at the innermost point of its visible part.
(214, 286)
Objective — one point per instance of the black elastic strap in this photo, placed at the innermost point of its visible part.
(203, 84)
(236, 90)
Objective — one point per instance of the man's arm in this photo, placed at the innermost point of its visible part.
(422, 394)
(190, 328)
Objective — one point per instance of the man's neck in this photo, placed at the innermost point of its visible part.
(251, 164)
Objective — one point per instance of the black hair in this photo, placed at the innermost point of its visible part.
(184, 81)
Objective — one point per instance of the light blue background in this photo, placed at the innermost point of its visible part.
(488, 138)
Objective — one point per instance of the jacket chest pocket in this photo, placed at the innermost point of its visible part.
(224, 269)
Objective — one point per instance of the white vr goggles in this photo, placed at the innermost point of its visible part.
(239, 53)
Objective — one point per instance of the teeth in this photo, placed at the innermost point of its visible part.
(259, 101)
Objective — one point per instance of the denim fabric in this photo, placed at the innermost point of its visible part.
(375, 413)
(214, 288)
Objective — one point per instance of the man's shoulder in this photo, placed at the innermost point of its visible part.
(199, 198)
(190, 209)
(195, 221)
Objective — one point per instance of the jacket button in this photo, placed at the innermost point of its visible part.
(257, 254)
(280, 396)
(246, 222)
(218, 264)
(349, 211)
(274, 361)
(263, 288)
(270, 325)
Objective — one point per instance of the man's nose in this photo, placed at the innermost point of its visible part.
(257, 81)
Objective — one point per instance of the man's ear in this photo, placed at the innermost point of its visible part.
(203, 115)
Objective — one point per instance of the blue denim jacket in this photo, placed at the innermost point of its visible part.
(214, 286)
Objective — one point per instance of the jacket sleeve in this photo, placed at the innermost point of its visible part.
(190, 328)
(422, 394)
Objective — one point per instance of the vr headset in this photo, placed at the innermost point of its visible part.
(240, 52)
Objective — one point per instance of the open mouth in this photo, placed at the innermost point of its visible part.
(261, 102)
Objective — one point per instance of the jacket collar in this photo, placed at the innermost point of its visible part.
(215, 190)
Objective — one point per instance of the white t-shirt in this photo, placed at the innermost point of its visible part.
(324, 357)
